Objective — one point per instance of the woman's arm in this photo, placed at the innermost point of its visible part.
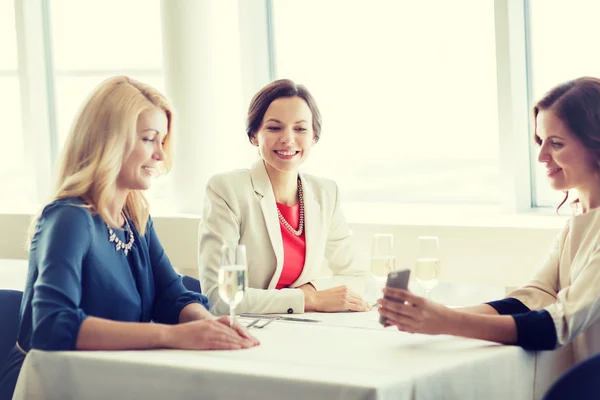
(103, 334)
(207, 334)
(193, 312)
(62, 240)
(174, 299)
(541, 291)
(484, 309)
(171, 297)
(577, 306)
(507, 306)
(411, 313)
(495, 328)
(533, 330)
(339, 298)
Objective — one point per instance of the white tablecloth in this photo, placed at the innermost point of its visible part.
(325, 360)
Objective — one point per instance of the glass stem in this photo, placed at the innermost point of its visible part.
(428, 294)
(231, 315)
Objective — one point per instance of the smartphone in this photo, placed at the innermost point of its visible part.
(398, 280)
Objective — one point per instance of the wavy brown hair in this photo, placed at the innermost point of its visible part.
(577, 104)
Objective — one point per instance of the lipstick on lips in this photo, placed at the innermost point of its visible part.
(550, 172)
(286, 154)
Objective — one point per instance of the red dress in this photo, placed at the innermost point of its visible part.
(294, 247)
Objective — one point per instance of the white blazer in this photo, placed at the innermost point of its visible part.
(240, 208)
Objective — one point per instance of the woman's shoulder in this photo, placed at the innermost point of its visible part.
(230, 184)
(73, 208)
(230, 177)
(66, 215)
(585, 225)
(320, 184)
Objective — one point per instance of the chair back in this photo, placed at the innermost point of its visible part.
(191, 284)
(10, 306)
(581, 382)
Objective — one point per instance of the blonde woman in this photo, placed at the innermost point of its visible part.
(97, 271)
(291, 223)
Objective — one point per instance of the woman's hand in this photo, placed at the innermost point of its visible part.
(209, 334)
(414, 314)
(332, 300)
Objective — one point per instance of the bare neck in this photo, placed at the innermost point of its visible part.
(285, 185)
(117, 205)
(589, 197)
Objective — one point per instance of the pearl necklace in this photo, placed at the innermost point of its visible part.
(119, 245)
(301, 222)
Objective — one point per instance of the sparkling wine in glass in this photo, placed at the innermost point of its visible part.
(383, 260)
(427, 266)
(233, 277)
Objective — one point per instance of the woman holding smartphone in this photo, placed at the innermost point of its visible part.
(561, 304)
(290, 222)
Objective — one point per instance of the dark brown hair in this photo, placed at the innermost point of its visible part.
(275, 90)
(577, 104)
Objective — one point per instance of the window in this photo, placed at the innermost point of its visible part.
(407, 93)
(92, 41)
(16, 178)
(558, 55)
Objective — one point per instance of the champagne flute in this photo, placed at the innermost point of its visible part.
(427, 266)
(383, 260)
(233, 277)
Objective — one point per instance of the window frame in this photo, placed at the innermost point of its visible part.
(516, 149)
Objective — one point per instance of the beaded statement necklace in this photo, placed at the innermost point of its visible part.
(301, 222)
(119, 245)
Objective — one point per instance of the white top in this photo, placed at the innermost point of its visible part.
(240, 208)
(568, 285)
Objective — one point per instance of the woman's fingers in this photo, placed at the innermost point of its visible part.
(243, 332)
(401, 314)
(340, 298)
(223, 326)
(403, 323)
(356, 302)
(210, 334)
(238, 331)
(225, 344)
(403, 295)
(353, 302)
(397, 307)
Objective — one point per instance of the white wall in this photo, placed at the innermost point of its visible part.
(497, 255)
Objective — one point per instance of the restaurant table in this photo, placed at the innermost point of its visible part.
(343, 356)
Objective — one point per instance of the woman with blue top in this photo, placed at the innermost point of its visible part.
(561, 305)
(97, 271)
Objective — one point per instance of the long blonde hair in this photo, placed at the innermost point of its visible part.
(101, 138)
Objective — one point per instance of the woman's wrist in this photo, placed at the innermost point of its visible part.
(309, 292)
(194, 312)
(164, 334)
(454, 322)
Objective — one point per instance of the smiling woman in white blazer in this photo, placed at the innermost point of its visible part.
(286, 259)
